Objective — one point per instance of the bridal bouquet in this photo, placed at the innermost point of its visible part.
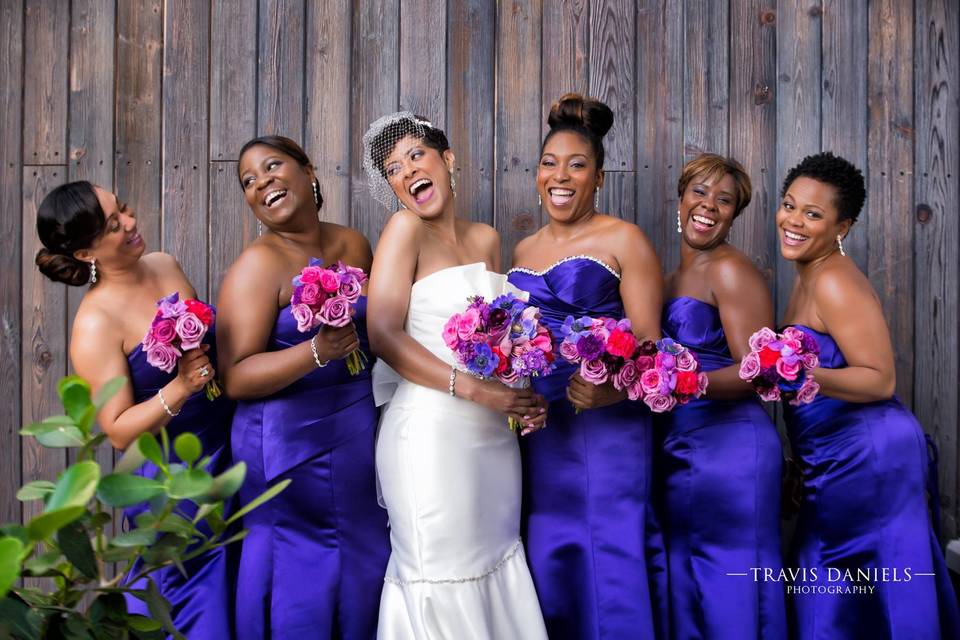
(503, 340)
(178, 326)
(325, 296)
(779, 364)
(674, 379)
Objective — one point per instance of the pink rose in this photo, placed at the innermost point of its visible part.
(810, 360)
(702, 381)
(686, 361)
(593, 371)
(761, 338)
(310, 293)
(467, 323)
(164, 331)
(790, 347)
(163, 357)
(509, 376)
(568, 351)
(635, 391)
(788, 370)
(304, 317)
(329, 280)
(350, 288)
(659, 403)
(335, 312)
(650, 381)
(627, 375)
(750, 366)
(310, 275)
(769, 395)
(191, 331)
(792, 333)
(808, 391)
(644, 363)
(542, 341)
(450, 337)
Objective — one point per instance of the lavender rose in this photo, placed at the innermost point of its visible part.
(568, 351)
(659, 403)
(335, 312)
(163, 357)
(350, 288)
(749, 366)
(627, 376)
(191, 331)
(761, 338)
(807, 392)
(304, 317)
(593, 371)
(686, 361)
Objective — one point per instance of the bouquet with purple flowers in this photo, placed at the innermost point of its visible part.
(503, 340)
(779, 365)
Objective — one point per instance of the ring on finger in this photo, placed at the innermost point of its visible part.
(204, 372)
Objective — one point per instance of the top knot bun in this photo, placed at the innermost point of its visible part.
(575, 110)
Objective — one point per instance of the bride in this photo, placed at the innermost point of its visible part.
(448, 466)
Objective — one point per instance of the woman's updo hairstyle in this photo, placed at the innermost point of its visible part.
(69, 219)
(283, 145)
(586, 116)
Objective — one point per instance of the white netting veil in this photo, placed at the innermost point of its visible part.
(378, 142)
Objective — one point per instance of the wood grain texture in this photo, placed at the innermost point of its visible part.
(471, 48)
(281, 69)
(618, 195)
(185, 138)
(890, 185)
(233, 76)
(139, 113)
(327, 136)
(753, 127)
(518, 118)
(843, 126)
(11, 261)
(613, 52)
(47, 30)
(423, 59)
(565, 61)
(375, 50)
(935, 179)
(232, 224)
(44, 346)
(706, 76)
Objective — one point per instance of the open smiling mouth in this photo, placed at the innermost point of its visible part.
(274, 197)
(793, 238)
(702, 223)
(421, 190)
(560, 197)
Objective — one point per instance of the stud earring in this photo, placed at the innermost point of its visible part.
(316, 192)
(840, 244)
(93, 271)
(679, 225)
(596, 198)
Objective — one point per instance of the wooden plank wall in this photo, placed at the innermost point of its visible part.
(155, 98)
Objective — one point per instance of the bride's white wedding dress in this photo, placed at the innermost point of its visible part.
(449, 473)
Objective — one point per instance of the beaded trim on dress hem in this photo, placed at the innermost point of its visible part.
(556, 264)
(503, 561)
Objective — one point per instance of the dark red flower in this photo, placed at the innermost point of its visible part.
(768, 357)
(687, 382)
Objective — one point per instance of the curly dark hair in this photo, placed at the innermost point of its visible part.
(839, 173)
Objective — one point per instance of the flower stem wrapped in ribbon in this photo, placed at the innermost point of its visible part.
(178, 326)
(779, 365)
(502, 340)
(325, 296)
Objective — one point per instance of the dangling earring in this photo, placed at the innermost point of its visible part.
(316, 192)
(539, 200)
(596, 198)
(453, 184)
(259, 228)
(679, 225)
(840, 244)
(93, 271)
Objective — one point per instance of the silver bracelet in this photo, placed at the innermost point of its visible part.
(316, 356)
(165, 406)
(453, 380)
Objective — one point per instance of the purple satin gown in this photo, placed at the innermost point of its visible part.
(717, 480)
(586, 480)
(314, 561)
(202, 602)
(865, 474)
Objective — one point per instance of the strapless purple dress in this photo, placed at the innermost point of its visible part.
(717, 479)
(864, 514)
(314, 561)
(202, 602)
(586, 480)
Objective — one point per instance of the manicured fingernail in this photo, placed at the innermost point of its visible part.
(542, 410)
(526, 417)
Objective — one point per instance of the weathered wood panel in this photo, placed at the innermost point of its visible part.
(232, 224)
(233, 77)
(281, 68)
(47, 30)
(706, 77)
(423, 59)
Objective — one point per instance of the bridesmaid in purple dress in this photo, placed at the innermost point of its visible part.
(587, 475)
(864, 525)
(90, 237)
(313, 563)
(718, 465)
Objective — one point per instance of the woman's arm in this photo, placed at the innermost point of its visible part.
(745, 306)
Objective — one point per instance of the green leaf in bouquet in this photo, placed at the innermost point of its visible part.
(41, 563)
(35, 597)
(76, 627)
(187, 447)
(131, 460)
(206, 509)
(10, 550)
(75, 487)
(74, 392)
(235, 538)
(143, 623)
(46, 524)
(74, 542)
(165, 443)
(108, 390)
(124, 490)
(118, 554)
(36, 490)
(204, 462)
(214, 520)
(86, 419)
(55, 436)
(149, 447)
(100, 520)
(19, 619)
(15, 531)
(259, 500)
(174, 523)
(226, 484)
(135, 538)
(189, 483)
(165, 549)
(108, 608)
(145, 520)
(160, 609)
(46, 424)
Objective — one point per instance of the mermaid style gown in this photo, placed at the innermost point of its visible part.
(313, 563)
(718, 496)
(449, 470)
(865, 470)
(586, 480)
(202, 603)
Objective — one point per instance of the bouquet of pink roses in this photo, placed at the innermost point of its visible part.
(778, 365)
(326, 295)
(178, 326)
(675, 377)
(503, 339)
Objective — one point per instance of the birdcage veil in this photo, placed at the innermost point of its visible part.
(378, 142)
